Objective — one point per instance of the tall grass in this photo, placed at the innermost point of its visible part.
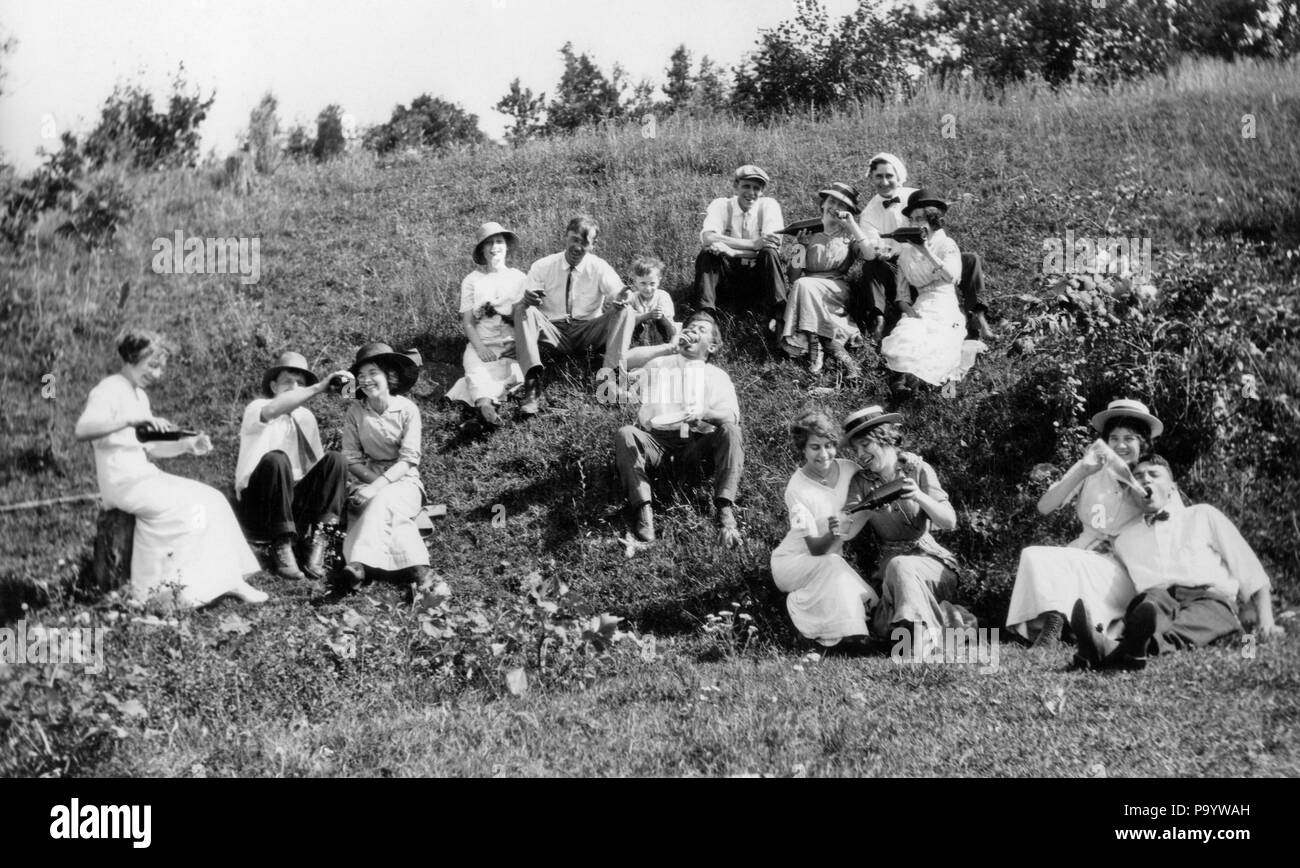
(358, 249)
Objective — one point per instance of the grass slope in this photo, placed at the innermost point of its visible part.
(353, 251)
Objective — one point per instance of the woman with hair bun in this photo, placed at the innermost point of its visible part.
(827, 599)
(188, 548)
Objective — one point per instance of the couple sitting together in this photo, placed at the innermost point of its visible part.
(189, 548)
(1148, 574)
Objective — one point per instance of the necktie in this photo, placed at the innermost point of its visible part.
(1152, 518)
(568, 294)
(307, 456)
(892, 200)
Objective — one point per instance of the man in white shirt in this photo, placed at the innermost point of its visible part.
(287, 485)
(876, 292)
(1191, 569)
(738, 267)
(689, 414)
(572, 302)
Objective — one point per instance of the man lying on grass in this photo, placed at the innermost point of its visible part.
(1190, 567)
(689, 413)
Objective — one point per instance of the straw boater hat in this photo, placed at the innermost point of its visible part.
(751, 171)
(1128, 407)
(923, 198)
(289, 361)
(407, 364)
(859, 422)
(845, 193)
(899, 169)
(486, 231)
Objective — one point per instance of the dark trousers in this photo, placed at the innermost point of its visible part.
(1188, 617)
(272, 506)
(725, 282)
(638, 453)
(877, 290)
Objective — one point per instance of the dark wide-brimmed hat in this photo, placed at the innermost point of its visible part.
(859, 422)
(486, 231)
(1128, 407)
(845, 193)
(289, 361)
(407, 364)
(923, 198)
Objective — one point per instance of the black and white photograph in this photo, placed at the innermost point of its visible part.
(775, 389)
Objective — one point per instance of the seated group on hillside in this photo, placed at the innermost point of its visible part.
(1147, 575)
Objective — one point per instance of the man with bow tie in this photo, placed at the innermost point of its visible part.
(1191, 569)
(287, 485)
(875, 293)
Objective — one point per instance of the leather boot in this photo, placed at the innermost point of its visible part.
(311, 553)
(286, 565)
(532, 393)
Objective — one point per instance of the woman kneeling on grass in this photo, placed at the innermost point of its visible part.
(381, 443)
(1051, 578)
(827, 599)
(917, 575)
(188, 548)
(488, 293)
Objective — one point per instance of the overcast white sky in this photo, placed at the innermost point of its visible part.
(365, 55)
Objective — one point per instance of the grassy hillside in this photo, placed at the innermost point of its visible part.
(355, 250)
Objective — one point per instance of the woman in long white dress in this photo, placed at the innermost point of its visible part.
(827, 600)
(817, 320)
(929, 342)
(382, 445)
(188, 548)
(486, 293)
(1051, 578)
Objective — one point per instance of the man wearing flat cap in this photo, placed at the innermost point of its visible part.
(287, 485)
(739, 268)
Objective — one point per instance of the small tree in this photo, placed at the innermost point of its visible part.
(524, 111)
(584, 95)
(329, 134)
(132, 132)
(263, 135)
(679, 86)
(430, 122)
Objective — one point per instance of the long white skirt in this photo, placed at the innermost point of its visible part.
(826, 598)
(1052, 578)
(485, 379)
(385, 535)
(188, 547)
(931, 345)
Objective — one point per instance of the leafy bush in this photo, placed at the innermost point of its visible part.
(329, 141)
(430, 122)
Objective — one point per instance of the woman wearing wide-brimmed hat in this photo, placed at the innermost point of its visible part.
(381, 442)
(929, 342)
(816, 314)
(917, 576)
(188, 548)
(1051, 578)
(487, 296)
(826, 598)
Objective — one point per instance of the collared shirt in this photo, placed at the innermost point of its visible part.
(674, 384)
(660, 301)
(594, 280)
(725, 217)
(256, 438)
(877, 220)
(380, 440)
(916, 269)
(1195, 546)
